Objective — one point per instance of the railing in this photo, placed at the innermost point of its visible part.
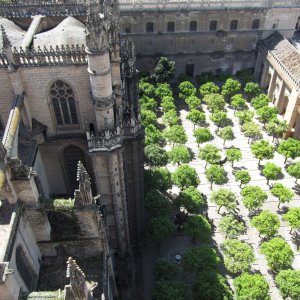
(112, 139)
(284, 69)
(63, 55)
(175, 5)
(21, 8)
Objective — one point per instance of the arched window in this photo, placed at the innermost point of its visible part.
(171, 27)
(255, 24)
(71, 156)
(63, 101)
(128, 28)
(233, 25)
(149, 27)
(213, 25)
(193, 26)
(24, 268)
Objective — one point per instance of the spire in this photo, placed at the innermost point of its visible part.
(7, 48)
(83, 196)
(78, 285)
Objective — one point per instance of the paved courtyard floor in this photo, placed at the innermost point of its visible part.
(180, 243)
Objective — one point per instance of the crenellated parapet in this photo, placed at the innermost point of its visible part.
(52, 56)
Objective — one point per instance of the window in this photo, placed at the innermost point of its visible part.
(171, 27)
(255, 24)
(24, 268)
(274, 26)
(213, 25)
(233, 25)
(63, 101)
(193, 26)
(149, 27)
(128, 28)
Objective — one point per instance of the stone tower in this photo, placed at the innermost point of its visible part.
(115, 143)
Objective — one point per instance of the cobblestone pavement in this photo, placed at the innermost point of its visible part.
(179, 244)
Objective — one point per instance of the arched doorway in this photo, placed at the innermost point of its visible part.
(71, 156)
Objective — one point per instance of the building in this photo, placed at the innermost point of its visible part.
(68, 94)
(201, 36)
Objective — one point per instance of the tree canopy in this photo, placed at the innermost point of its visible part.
(169, 290)
(266, 223)
(161, 228)
(210, 285)
(226, 134)
(148, 117)
(170, 118)
(208, 88)
(210, 154)
(238, 102)
(266, 113)
(289, 148)
(242, 176)
(245, 116)
(158, 178)
(214, 102)
(238, 256)
(230, 87)
(288, 282)
(253, 197)
(219, 117)
(251, 130)
(185, 176)
(179, 155)
(271, 171)
(157, 203)
(224, 198)
(262, 150)
(252, 89)
(163, 90)
(293, 218)
(191, 199)
(147, 103)
(165, 269)
(251, 286)
(196, 116)
(231, 227)
(200, 259)
(192, 101)
(216, 174)
(167, 104)
(233, 154)
(278, 253)
(164, 70)
(198, 228)
(186, 89)
(155, 155)
(153, 135)
(276, 127)
(175, 135)
(260, 101)
(281, 192)
(202, 135)
(294, 170)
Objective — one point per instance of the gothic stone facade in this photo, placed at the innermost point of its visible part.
(201, 36)
(69, 94)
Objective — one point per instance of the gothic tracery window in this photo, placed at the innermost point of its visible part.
(63, 102)
(24, 268)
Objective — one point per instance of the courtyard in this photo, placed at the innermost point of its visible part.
(174, 247)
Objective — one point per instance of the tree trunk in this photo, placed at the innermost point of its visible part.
(285, 160)
(219, 209)
(241, 184)
(224, 143)
(211, 184)
(268, 181)
(296, 180)
(259, 162)
(273, 138)
(194, 126)
(248, 140)
(232, 163)
(206, 165)
(278, 204)
(291, 230)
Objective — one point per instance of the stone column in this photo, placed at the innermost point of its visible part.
(272, 84)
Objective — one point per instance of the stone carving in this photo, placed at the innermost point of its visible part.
(127, 58)
(78, 285)
(18, 171)
(5, 40)
(104, 103)
(83, 196)
(2, 152)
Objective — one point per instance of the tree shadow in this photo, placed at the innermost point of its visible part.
(296, 189)
(296, 238)
(282, 210)
(191, 152)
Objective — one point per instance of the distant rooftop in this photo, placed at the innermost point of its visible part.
(21, 8)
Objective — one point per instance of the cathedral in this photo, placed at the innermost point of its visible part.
(71, 151)
(70, 128)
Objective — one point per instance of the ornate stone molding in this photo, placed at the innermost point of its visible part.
(103, 103)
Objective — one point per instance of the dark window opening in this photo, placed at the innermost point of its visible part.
(63, 102)
(213, 25)
(255, 24)
(149, 27)
(193, 26)
(274, 26)
(189, 70)
(171, 27)
(233, 25)
(24, 268)
(128, 28)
